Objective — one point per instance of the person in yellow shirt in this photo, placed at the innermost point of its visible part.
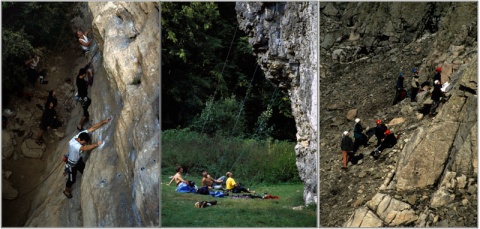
(233, 186)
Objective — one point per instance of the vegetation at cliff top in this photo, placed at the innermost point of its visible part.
(210, 80)
(29, 27)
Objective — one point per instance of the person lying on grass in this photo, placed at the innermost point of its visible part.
(208, 181)
(234, 186)
(178, 176)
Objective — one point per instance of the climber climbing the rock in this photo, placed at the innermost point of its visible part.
(75, 162)
(84, 41)
(415, 86)
(389, 141)
(400, 93)
(89, 69)
(360, 137)
(346, 147)
(380, 131)
(85, 101)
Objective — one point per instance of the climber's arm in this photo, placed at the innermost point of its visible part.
(98, 125)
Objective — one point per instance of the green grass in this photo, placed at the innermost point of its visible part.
(178, 209)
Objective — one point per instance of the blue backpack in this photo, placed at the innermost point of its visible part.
(217, 194)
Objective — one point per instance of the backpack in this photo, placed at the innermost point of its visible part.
(203, 191)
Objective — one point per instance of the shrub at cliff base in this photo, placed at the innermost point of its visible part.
(252, 161)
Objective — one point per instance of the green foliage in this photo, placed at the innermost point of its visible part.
(253, 161)
(178, 208)
(220, 118)
(201, 86)
(28, 27)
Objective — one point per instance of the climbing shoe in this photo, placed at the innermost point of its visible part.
(69, 196)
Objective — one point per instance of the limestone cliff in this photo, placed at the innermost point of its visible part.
(284, 38)
(120, 184)
(429, 177)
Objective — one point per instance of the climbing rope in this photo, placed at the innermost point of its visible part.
(244, 99)
(24, 194)
(218, 82)
(275, 94)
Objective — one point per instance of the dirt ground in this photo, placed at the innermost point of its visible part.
(27, 173)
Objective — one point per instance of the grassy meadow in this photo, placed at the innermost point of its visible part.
(266, 166)
(178, 210)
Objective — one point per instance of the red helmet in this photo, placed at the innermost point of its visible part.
(439, 69)
(378, 121)
(387, 132)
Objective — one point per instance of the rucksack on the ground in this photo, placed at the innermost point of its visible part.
(203, 191)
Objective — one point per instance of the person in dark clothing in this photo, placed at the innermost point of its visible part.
(400, 91)
(437, 75)
(32, 64)
(437, 94)
(389, 141)
(48, 119)
(81, 83)
(415, 86)
(52, 98)
(380, 131)
(347, 148)
(82, 87)
(360, 137)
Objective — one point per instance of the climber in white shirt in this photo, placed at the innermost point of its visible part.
(84, 41)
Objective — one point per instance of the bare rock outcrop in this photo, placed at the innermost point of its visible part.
(120, 184)
(284, 39)
(432, 168)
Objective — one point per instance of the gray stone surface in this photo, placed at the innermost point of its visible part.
(286, 47)
(120, 184)
(363, 217)
(8, 192)
(7, 144)
(31, 149)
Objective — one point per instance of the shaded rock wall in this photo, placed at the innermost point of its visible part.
(120, 184)
(284, 38)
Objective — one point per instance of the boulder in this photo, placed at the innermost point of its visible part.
(441, 198)
(330, 10)
(7, 144)
(396, 121)
(352, 114)
(422, 161)
(31, 149)
(8, 192)
(362, 217)
(392, 211)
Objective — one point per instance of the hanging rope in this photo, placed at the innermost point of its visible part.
(275, 93)
(218, 82)
(24, 194)
(244, 99)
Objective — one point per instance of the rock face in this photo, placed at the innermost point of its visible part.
(429, 177)
(7, 144)
(284, 38)
(120, 184)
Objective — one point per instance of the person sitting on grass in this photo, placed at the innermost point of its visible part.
(209, 182)
(178, 176)
(183, 185)
(233, 186)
